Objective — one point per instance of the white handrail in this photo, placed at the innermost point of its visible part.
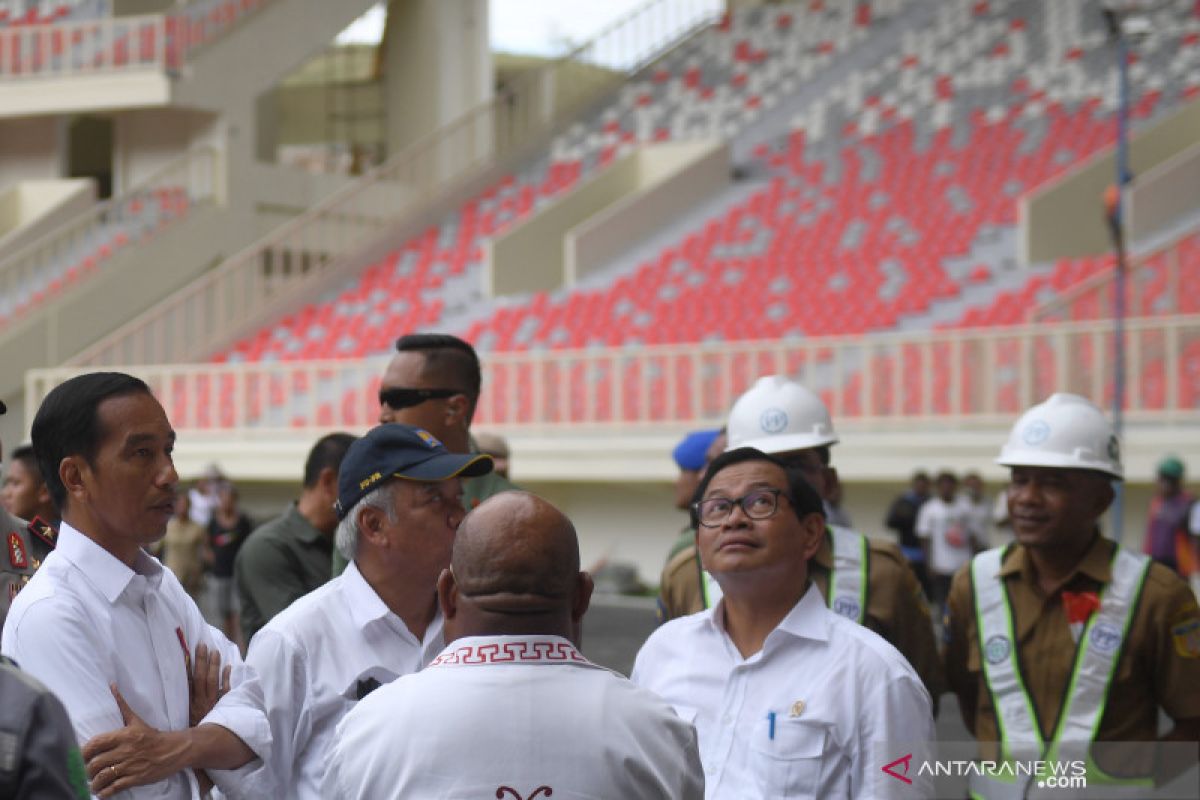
(197, 319)
(889, 381)
(69, 252)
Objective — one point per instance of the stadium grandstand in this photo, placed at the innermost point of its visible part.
(896, 202)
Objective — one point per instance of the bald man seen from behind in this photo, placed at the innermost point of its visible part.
(511, 709)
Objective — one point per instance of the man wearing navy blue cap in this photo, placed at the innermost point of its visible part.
(399, 504)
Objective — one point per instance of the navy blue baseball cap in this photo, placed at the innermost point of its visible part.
(396, 450)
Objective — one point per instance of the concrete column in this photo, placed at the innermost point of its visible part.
(437, 65)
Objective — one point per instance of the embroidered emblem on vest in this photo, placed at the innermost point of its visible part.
(16, 552)
(997, 649)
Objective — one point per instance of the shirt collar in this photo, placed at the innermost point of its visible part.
(364, 604)
(807, 620)
(102, 569)
(525, 649)
(304, 529)
(1095, 564)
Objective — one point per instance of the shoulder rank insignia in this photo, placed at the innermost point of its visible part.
(13, 588)
(44, 531)
(16, 552)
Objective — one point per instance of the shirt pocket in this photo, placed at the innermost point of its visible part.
(788, 763)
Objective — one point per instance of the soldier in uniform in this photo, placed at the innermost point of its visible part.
(864, 580)
(1064, 639)
(26, 546)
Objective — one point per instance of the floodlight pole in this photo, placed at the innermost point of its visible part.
(1117, 223)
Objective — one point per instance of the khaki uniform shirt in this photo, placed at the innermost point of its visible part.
(26, 545)
(1159, 665)
(896, 606)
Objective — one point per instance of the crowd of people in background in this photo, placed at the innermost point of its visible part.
(412, 603)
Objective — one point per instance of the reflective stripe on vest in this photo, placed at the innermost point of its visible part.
(847, 580)
(1095, 663)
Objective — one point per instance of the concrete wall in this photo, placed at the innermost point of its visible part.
(32, 209)
(1166, 193)
(149, 139)
(29, 150)
(1065, 218)
(671, 177)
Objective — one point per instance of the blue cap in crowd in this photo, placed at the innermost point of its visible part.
(396, 450)
(689, 454)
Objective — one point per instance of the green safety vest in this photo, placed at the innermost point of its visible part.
(1096, 656)
(847, 582)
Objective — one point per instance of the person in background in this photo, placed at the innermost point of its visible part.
(902, 518)
(1167, 540)
(513, 600)
(227, 532)
(185, 548)
(25, 494)
(691, 456)
(289, 556)
(978, 507)
(433, 382)
(496, 446)
(204, 495)
(944, 527)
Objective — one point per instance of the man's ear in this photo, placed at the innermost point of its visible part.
(458, 410)
(327, 479)
(813, 527)
(43, 495)
(370, 525)
(70, 472)
(584, 586)
(447, 592)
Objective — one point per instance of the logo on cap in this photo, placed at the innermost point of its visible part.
(773, 420)
(428, 438)
(1036, 432)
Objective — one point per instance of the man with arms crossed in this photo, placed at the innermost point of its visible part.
(510, 709)
(102, 613)
(788, 697)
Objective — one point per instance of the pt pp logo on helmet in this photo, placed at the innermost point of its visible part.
(773, 420)
(1036, 432)
(997, 649)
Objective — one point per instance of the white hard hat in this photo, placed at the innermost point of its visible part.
(777, 415)
(1065, 431)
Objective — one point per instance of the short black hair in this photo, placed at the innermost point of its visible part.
(26, 456)
(946, 475)
(327, 452)
(68, 423)
(803, 496)
(449, 357)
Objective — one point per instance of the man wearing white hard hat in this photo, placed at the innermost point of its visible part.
(1063, 640)
(866, 581)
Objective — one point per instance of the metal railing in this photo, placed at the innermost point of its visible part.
(72, 251)
(70, 48)
(884, 381)
(193, 322)
(1092, 297)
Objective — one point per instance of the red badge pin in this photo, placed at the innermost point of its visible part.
(16, 552)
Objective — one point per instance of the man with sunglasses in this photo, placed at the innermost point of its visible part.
(864, 580)
(789, 699)
(399, 503)
(433, 382)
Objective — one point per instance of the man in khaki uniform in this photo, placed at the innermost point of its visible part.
(784, 419)
(1063, 608)
(26, 545)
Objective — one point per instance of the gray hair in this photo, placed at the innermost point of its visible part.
(379, 498)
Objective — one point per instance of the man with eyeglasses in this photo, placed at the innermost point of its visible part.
(864, 580)
(789, 699)
(433, 382)
(399, 503)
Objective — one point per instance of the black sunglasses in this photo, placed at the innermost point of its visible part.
(407, 398)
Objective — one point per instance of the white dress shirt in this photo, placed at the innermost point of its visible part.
(513, 717)
(312, 657)
(87, 620)
(800, 718)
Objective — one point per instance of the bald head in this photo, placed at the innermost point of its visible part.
(514, 569)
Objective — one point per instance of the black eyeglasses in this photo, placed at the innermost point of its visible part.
(759, 504)
(398, 398)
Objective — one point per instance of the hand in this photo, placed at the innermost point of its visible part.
(135, 755)
(207, 683)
